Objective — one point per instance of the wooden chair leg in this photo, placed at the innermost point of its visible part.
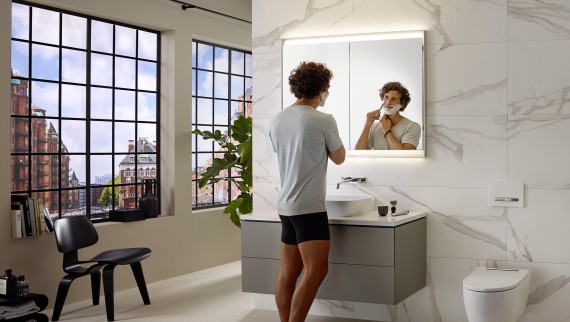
(139, 277)
(96, 287)
(62, 290)
(109, 293)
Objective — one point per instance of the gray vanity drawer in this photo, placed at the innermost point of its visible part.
(362, 245)
(357, 283)
(261, 239)
(373, 245)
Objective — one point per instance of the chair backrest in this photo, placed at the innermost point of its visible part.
(73, 233)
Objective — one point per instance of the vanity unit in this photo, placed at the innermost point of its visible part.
(372, 259)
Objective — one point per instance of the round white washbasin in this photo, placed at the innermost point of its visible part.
(346, 206)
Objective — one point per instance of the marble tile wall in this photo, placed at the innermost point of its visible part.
(498, 109)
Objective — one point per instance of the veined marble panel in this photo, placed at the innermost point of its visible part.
(446, 22)
(469, 79)
(266, 169)
(267, 83)
(340, 309)
(538, 77)
(461, 151)
(538, 232)
(265, 197)
(275, 20)
(549, 292)
(538, 20)
(538, 151)
(460, 224)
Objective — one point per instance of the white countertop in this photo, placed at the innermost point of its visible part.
(366, 219)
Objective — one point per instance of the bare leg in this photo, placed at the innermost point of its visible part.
(291, 267)
(315, 254)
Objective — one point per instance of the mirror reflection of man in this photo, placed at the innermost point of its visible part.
(393, 131)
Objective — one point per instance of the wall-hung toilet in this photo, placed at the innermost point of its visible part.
(494, 295)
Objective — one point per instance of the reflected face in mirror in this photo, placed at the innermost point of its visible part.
(387, 129)
(391, 98)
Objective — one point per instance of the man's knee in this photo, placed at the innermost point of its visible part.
(317, 272)
(289, 274)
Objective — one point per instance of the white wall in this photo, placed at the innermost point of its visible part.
(497, 110)
(181, 241)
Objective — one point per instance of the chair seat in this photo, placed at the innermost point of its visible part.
(123, 256)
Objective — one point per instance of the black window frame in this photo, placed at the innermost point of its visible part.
(195, 114)
(61, 150)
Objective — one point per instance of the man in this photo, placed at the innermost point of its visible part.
(304, 139)
(394, 131)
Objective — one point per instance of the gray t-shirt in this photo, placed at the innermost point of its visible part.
(406, 131)
(302, 137)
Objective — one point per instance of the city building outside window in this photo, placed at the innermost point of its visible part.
(84, 108)
(221, 90)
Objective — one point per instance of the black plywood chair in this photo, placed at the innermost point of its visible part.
(76, 232)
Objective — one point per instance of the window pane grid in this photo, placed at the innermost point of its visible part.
(217, 72)
(44, 144)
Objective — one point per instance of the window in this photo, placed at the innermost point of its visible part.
(221, 90)
(85, 105)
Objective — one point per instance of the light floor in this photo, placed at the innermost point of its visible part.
(211, 295)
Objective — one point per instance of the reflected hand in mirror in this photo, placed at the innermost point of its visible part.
(390, 130)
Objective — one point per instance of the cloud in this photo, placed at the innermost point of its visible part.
(125, 41)
(45, 26)
(104, 32)
(124, 105)
(73, 135)
(101, 63)
(147, 106)
(45, 96)
(147, 76)
(147, 45)
(73, 101)
(101, 103)
(125, 72)
(20, 22)
(74, 31)
(73, 66)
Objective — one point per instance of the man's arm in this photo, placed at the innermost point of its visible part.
(338, 156)
(362, 143)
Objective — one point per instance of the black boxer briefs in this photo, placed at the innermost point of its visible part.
(300, 228)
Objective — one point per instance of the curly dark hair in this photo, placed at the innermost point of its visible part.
(398, 87)
(309, 79)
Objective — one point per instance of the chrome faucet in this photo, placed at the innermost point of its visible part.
(349, 179)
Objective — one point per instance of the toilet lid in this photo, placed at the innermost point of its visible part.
(483, 280)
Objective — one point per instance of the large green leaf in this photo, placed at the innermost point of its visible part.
(246, 206)
(242, 128)
(244, 150)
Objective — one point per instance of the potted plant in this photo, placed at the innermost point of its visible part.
(237, 155)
